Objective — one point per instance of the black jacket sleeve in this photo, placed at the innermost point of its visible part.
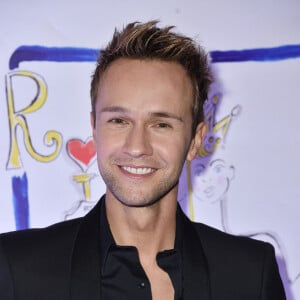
(6, 284)
(272, 287)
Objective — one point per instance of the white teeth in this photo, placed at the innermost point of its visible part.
(139, 171)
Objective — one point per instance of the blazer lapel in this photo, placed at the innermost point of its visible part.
(85, 273)
(196, 284)
(85, 261)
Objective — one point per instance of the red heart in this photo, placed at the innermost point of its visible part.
(81, 152)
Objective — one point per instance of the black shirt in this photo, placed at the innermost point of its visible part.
(122, 275)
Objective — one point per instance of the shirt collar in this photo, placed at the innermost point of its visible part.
(179, 229)
(107, 240)
(187, 242)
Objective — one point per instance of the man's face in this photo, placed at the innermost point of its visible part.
(142, 131)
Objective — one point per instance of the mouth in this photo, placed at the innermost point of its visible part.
(137, 170)
(209, 191)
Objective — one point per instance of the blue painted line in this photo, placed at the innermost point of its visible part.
(70, 54)
(260, 54)
(54, 54)
(20, 201)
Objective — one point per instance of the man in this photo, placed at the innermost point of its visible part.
(147, 95)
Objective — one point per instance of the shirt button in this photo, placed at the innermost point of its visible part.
(142, 285)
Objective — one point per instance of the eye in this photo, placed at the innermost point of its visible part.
(163, 125)
(218, 168)
(117, 121)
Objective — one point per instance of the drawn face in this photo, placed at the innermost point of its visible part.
(212, 183)
(143, 129)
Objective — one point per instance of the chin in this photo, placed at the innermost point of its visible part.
(138, 202)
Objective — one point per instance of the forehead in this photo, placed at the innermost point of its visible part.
(148, 80)
(123, 68)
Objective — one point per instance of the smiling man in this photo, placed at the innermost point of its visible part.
(147, 94)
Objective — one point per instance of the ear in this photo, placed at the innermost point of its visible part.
(231, 172)
(197, 141)
(93, 125)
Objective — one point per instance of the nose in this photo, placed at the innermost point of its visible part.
(138, 142)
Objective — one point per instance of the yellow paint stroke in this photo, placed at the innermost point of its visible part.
(190, 191)
(18, 119)
(85, 179)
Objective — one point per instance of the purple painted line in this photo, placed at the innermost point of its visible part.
(20, 201)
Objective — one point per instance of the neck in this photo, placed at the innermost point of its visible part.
(212, 213)
(150, 229)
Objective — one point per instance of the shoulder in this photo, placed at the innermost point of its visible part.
(240, 261)
(30, 241)
(57, 239)
(34, 261)
(57, 228)
(30, 260)
(240, 251)
(213, 238)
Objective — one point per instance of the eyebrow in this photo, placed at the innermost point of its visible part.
(217, 162)
(114, 109)
(166, 115)
(158, 114)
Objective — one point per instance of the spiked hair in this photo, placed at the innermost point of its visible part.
(147, 41)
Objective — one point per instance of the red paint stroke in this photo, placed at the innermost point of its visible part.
(81, 152)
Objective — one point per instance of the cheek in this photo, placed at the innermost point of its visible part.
(105, 143)
(198, 184)
(105, 136)
(221, 180)
(172, 149)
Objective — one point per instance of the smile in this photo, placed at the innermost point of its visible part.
(138, 171)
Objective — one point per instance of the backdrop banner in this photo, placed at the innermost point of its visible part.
(245, 179)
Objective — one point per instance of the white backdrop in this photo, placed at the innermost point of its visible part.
(249, 185)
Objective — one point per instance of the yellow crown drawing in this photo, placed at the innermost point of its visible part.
(216, 131)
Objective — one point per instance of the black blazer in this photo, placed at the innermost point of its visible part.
(62, 262)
